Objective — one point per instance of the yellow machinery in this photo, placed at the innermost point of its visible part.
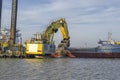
(43, 44)
(36, 47)
(118, 42)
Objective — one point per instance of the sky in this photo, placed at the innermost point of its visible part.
(88, 20)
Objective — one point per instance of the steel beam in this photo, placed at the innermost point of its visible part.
(0, 13)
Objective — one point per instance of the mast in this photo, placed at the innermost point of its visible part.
(13, 22)
(0, 14)
(110, 40)
(109, 36)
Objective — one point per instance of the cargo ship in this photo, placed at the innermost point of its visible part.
(106, 49)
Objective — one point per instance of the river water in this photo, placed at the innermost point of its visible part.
(60, 69)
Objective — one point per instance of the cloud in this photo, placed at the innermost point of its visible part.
(84, 17)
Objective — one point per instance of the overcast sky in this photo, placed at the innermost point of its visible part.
(88, 20)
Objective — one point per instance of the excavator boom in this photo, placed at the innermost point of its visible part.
(53, 28)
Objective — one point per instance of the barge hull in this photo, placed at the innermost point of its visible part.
(95, 55)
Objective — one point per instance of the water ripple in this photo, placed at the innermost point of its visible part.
(59, 69)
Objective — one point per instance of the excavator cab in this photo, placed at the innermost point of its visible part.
(37, 46)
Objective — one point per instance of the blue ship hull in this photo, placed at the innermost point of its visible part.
(103, 51)
(109, 49)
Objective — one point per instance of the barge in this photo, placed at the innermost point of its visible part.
(106, 49)
(95, 55)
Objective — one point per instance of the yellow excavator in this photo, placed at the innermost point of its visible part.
(43, 44)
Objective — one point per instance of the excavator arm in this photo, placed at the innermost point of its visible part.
(53, 28)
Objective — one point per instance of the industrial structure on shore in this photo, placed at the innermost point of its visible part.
(8, 45)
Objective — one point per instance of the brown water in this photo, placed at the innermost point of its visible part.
(60, 69)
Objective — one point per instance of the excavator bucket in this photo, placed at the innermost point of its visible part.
(69, 54)
(56, 55)
(59, 55)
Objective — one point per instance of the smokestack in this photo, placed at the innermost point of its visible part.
(13, 22)
(0, 13)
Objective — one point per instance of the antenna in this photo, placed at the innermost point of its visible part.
(109, 36)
